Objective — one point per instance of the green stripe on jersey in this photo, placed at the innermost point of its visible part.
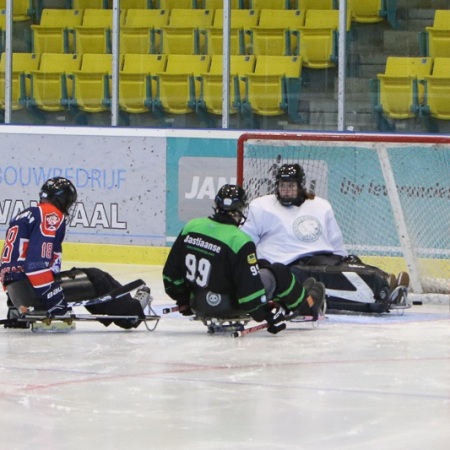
(227, 234)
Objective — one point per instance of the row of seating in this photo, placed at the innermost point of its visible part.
(414, 86)
(163, 84)
(366, 11)
(311, 34)
(24, 9)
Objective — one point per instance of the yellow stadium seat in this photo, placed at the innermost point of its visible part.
(400, 94)
(141, 30)
(50, 84)
(272, 35)
(178, 86)
(136, 87)
(181, 35)
(415, 66)
(92, 83)
(51, 35)
(318, 38)
(94, 34)
(218, 4)
(87, 4)
(437, 90)
(135, 4)
(22, 64)
(172, 4)
(441, 67)
(22, 9)
(367, 11)
(435, 40)
(212, 82)
(274, 86)
(2, 29)
(438, 42)
(325, 18)
(241, 20)
(304, 5)
(442, 19)
(269, 4)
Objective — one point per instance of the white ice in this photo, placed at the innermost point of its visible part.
(355, 382)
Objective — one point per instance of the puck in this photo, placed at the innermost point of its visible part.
(417, 303)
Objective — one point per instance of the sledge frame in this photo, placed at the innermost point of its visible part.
(238, 326)
(52, 321)
(150, 321)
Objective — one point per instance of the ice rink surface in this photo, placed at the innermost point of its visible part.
(355, 382)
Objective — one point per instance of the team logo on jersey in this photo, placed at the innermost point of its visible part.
(251, 259)
(52, 221)
(213, 299)
(307, 228)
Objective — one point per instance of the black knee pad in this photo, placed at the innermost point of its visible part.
(289, 290)
(76, 285)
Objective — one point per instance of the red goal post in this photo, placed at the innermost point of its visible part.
(390, 193)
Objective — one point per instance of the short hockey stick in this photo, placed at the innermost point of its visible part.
(249, 330)
(295, 318)
(174, 309)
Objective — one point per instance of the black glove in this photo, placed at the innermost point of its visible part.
(273, 319)
(273, 315)
(184, 308)
(351, 259)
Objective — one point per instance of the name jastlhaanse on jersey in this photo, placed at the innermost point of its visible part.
(199, 242)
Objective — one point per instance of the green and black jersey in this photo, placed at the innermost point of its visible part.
(218, 257)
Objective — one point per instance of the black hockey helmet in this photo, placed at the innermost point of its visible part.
(231, 199)
(60, 192)
(290, 172)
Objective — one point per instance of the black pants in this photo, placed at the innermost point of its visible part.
(351, 284)
(77, 287)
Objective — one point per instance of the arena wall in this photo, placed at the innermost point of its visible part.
(137, 187)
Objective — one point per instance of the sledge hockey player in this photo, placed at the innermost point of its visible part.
(31, 259)
(297, 228)
(212, 271)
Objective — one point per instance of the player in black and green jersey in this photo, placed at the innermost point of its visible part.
(212, 270)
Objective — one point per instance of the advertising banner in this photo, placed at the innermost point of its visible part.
(196, 169)
(119, 179)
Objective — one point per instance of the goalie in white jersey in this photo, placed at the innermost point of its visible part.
(297, 228)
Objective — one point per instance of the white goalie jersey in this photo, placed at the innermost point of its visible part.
(285, 234)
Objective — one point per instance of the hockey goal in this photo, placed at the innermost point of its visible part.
(390, 194)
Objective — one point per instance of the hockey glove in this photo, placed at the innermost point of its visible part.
(53, 299)
(274, 321)
(184, 308)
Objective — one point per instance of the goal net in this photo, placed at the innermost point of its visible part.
(390, 195)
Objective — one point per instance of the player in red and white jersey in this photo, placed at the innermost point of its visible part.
(31, 264)
(33, 243)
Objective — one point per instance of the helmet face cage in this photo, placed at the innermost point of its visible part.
(60, 192)
(290, 172)
(231, 199)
